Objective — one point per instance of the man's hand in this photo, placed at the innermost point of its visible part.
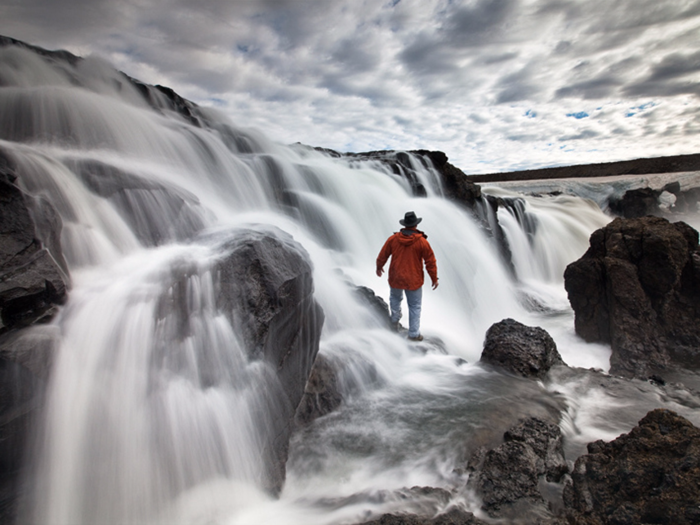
(380, 271)
(435, 284)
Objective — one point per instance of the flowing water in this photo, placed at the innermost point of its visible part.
(147, 422)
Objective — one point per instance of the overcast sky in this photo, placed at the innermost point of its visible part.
(495, 84)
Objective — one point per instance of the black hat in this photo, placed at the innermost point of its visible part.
(410, 220)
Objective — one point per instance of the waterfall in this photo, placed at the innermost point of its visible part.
(146, 424)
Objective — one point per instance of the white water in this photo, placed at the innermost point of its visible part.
(156, 416)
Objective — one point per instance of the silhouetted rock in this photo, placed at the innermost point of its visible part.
(521, 350)
(650, 475)
(266, 288)
(638, 288)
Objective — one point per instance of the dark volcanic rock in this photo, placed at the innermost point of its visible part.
(521, 350)
(507, 478)
(638, 288)
(321, 395)
(637, 203)
(452, 517)
(456, 184)
(266, 288)
(651, 475)
(32, 283)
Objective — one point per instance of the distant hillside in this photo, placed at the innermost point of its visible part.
(626, 167)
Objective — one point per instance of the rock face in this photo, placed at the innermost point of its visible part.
(521, 350)
(32, 283)
(651, 475)
(507, 477)
(638, 288)
(451, 517)
(321, 395)
(266, 289)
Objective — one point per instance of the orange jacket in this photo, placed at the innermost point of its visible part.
(408, 249)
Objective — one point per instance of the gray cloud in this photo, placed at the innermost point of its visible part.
(465, 76)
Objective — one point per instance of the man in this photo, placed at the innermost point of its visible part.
(408, 250)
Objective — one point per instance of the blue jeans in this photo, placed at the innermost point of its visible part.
(414, 299)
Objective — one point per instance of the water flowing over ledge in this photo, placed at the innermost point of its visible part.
(156, 411)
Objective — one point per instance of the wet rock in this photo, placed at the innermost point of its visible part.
(157, 213)
(20, 397)
(650, 475)
(521, 350)
(638, 288)
(266, 289)
(455, 182)
(32, 283)
(376, 303)
(637, 203)
(508, 477)
(321, 395)
(452, 517)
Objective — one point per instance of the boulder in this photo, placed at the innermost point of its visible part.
(321, 395)
(32, 282)
(521, 350)
(650, 475)
(266, 290)
(637, 203)
(508, 477)
(638, 289)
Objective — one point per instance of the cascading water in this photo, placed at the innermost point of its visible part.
(145, 423)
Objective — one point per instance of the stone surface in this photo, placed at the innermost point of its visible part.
(32, 283)
(521, 350)
(266, 289)
(650, 475)
(321, 395)
(507, 478)
(638, 288)
(452, 517)
(637, 203)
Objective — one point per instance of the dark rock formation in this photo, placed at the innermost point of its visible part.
(638, 288)
(266, 289)
(651, 475)
(637, 203)
(456, 184)
(451, 517)
(507, 478)
(521, 350)
(376, 303)
(321, 395)
(32, 283)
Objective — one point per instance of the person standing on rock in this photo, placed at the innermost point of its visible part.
(409, 249)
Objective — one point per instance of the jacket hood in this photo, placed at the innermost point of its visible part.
(408, 236)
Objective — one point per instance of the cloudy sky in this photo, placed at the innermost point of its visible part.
(496, 84)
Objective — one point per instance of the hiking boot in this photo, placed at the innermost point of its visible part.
(395, 326)
(416, 338)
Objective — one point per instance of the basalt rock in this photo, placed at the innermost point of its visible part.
(650, 475)
(508, 477)
(266, 289)
(521, 350)
(638, 288)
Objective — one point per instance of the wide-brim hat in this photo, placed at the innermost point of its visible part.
(410, 219)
